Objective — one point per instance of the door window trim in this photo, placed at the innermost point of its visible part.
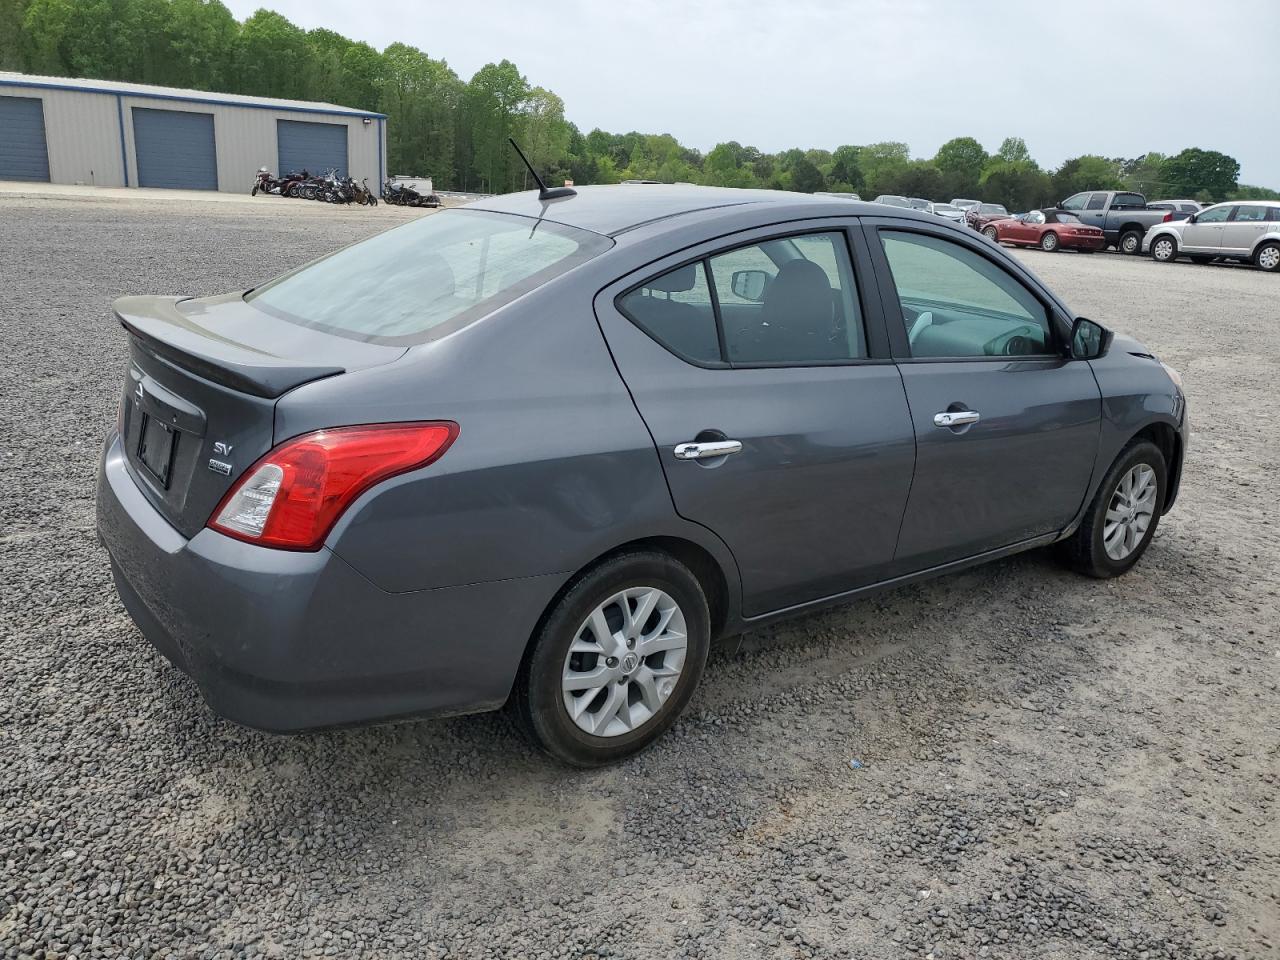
(891, 305)
(879, 349)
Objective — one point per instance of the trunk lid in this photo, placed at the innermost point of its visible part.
(200, 392)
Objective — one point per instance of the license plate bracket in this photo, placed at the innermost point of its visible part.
(156, 444)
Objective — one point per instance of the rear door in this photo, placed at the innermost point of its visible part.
(1006, 428)
(1244, 228)
(766, 344)
(1206, 234)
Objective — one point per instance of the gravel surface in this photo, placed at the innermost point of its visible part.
(1050, 767)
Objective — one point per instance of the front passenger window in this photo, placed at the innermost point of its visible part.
(957, 303)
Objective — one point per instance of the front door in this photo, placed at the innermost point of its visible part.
(1006, 429)
(1205, 235)
(779, 417)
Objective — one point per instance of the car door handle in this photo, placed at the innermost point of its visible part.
(707, 450)
(956, 418)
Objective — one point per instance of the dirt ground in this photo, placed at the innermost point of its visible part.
(1047, 766)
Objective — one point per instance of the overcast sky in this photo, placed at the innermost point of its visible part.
(1092, 76)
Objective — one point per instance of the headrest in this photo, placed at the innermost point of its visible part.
(677, 281)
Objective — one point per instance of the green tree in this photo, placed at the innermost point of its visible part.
(1145, 175)
(83, 38)
(272, 57)
(13, 35)
(1019, 186)
(1247, 192)
(961, 161)
(1088, 172)
(881, 163)
(1013, 150)
(544, 134)
(1195, 171)
(421, 98)
(805, 175)
(846, 169)
(490, 104)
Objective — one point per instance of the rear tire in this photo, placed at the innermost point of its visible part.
(992, 234)
(1268, 257)
(1130, 243)
(1049, 242)
(1164, 249)
(1121, 521)
(639, 696)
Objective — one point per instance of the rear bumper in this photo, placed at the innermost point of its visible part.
(289, 641)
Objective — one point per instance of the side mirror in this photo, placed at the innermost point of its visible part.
(1192, 218)
(749, 284)
(1089, 340)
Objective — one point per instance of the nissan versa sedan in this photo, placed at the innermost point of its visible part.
(541, 452)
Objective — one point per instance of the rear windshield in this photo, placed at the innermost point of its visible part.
(1129, 200)
(993, 208)
(427, 278)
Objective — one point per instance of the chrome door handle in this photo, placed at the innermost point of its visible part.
(705, 451)
(956, 418)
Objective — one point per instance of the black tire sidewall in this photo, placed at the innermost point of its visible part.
(1142, 452)
(1137, 245)
(539, 697)
(1258, 258)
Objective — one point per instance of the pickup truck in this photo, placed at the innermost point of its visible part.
(1123, 217)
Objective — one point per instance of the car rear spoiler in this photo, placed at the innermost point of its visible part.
(165, 331)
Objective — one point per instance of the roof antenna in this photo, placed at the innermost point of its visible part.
(544, 192)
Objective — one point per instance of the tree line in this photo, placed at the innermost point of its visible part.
(455, 131)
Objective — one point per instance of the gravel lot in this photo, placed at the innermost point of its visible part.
(1051, 767)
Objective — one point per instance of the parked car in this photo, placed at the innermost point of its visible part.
(1245, 231)
(542, 451)
(965, 204)
(919, 203)
(894, 201)
(1122, 216)
(1181, 209)
(1050, 230)
(947, 211)
(979, 216)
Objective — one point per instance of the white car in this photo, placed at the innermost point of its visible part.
(1236, 230)
(948, 211)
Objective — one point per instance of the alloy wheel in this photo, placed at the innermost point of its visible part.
(624, 662)
(1129, 514)
(991, 233)
(1049, 242)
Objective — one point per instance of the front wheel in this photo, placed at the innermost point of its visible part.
(1049, 242)
(254, 191)
(1131, 242)
(991, 233)
(1268, 257)
(615, 661)
(1120, 522)
(1164, 250)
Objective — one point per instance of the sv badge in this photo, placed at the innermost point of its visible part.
(222, 449)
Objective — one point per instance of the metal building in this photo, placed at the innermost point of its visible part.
(111, 134)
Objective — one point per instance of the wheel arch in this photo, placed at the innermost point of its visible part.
(700, 561)
(1264, 240)
(1167, 440)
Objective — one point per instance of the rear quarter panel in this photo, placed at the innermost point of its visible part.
(552, 466)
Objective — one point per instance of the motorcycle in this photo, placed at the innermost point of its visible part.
(363, 195)
(407, 196)
(265, 183)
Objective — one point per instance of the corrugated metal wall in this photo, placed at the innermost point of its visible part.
(83, 131)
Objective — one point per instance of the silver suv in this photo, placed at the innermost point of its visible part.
(1247, 231)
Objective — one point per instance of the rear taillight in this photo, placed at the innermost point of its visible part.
(292, 497)
(1167, 217)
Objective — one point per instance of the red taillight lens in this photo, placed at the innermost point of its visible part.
(293, 496)
(1167, 217)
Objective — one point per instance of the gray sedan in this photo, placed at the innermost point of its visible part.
(542, 452)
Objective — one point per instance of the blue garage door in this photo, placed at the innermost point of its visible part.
(23, 153)
(175, 149)
(316, 147)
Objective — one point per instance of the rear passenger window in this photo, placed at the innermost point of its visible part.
(957, 303)
(1250, 214)
(780, 301)
(790, 300)
(1097, 201)
(675, 309)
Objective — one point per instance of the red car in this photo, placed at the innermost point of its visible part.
(1050, 230)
